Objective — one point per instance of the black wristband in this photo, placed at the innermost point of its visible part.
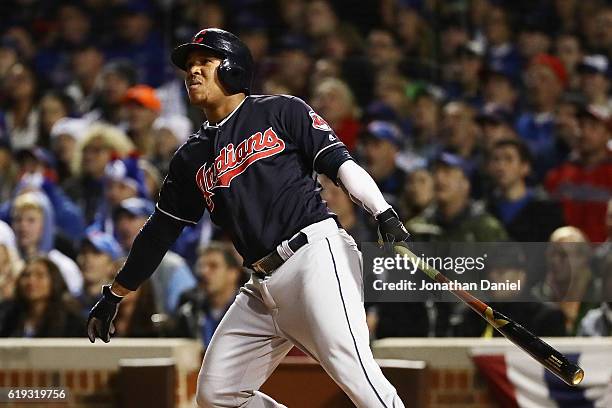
(109, 295)
(387, 215)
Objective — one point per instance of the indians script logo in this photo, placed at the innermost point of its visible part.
(318, 122)
(232, 161)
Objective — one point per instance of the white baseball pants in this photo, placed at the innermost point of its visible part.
(313, 301)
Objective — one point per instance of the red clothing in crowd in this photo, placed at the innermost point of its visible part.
(348, 132)
(584, 193)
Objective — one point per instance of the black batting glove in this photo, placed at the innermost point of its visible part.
(100, 321)
(390, 229)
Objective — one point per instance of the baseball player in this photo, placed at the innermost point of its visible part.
(253, 166)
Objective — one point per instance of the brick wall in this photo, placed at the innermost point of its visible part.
(91, 372)
(92, 388)
(89, 388)
(460, 387)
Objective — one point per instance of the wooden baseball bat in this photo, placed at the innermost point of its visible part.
(541, 351)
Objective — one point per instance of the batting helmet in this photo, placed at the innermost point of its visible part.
(236, 68)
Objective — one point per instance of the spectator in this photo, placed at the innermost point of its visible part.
(20, 115)
(143, 107)
(509, 263)
(594, 73)
(418, 193)
(219, 276)
(8, 171)
(123, 179)
(73, 30)
(526, 213)
(469, 68)
(32, 221)
(98, 257)
(455, 217)
(10, 262)
(545, 80)
(495, 125)
(42, 306)
(86, 64)
(569, 278)
(382, 142)
(37, 174)
(152, 178)
(66, 134)
(499, 91)
(426, 122)
(137, 317)
(583, 184)
(568, 48)
(416, 37)
(9, 55)
(341, 205)
(169, 133)
(116, 78)
(53, 106)
(460, 132)
(501, 51)
(533, 38)
(136, 40)
(93, 153)
(567, 128)
(292, 66)
(391, 92)
(172, 277)
(602, 30)
(598, 322)
(321, 20)
(383, 52)
(333, 100)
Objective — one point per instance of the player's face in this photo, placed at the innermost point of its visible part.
(202, 81)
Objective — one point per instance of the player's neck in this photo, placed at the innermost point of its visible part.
(220, 111)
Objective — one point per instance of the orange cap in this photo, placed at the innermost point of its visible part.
(143, 95)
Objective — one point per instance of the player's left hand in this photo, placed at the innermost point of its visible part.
(391, 230)
(101, 316)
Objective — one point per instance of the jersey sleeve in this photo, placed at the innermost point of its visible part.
(318, 143)
(179, 196)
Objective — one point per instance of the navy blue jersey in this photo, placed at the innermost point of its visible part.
(255, 172)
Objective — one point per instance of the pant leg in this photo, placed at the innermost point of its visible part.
(243, 353)
(323, 313)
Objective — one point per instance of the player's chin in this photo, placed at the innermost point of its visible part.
(197, 98)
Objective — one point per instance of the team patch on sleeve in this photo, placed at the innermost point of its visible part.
(318, 122)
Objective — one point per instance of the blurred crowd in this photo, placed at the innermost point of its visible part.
(480, 120)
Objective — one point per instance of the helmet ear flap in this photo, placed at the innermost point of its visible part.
(231, 76)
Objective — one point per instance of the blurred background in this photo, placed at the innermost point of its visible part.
(481, 120)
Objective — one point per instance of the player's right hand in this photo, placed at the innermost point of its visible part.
(391, 230)
(100, 321)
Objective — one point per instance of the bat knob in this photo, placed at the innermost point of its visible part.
(578, 376)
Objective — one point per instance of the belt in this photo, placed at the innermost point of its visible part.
(273, 260)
